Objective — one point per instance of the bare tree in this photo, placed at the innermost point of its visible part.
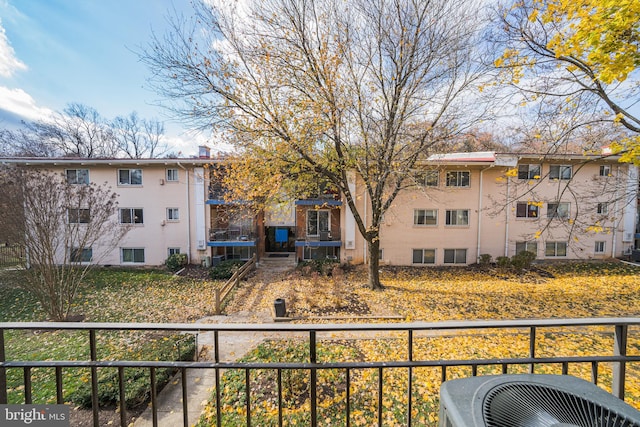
(138, 138)
(341, 90)
(80, 131)
(67, 229)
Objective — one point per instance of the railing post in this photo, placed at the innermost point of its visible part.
(532, 347)
(94, 377)
(3, 371)
(314, 379)
(619, 368)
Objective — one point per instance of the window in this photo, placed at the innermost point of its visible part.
(425, 217)
(78, 176)
(131, 216)
(172, 175)
(526, 210)
(457, 217)
(457, 179)
(555, 249)
(81, 255)
(530, 246)
(129, 176)
(558, 210)
(133, 255)
(603, 208)
(528, 171)
(173, 251)
(560, 172)
(424, 256)
(605, 170)
(381, 254)
(317, 222)
(173, 214)
(455, 256)
(78, 216)
(431, 178)
(600, 247)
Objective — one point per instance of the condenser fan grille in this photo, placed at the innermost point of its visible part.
(520, 404)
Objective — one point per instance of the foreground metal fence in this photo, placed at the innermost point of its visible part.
(617, 359)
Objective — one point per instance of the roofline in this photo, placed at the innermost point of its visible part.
(69, 161)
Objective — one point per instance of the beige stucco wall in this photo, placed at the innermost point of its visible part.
(493, 225)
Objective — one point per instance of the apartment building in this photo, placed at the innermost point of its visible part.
(461, 206)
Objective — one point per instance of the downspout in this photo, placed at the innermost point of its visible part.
(480, 213)
(506, 220)
(615, 209)
(188, 214)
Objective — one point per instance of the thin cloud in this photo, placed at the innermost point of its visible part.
(9, 63)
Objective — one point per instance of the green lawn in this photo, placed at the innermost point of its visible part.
(108, 295)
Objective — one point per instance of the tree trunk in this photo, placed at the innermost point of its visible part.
(373, 254)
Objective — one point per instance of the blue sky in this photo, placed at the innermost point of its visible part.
(56, 52)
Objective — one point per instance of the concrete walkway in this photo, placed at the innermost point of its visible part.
(232, 346)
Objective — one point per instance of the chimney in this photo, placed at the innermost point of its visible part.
(204, 152)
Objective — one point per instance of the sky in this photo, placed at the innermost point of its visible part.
(57, 52)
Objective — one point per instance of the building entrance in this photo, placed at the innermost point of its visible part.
(280, 239)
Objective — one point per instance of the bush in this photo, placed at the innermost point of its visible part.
(136, 380)
(484, 259)
(522, 260)
(225, 269)
(176, 261)
(503, 262)
(322, 266)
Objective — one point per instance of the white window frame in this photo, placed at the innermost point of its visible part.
(419, 214)
(84, 173)
(600, 247)
(77, 216)
(532, 210)
(172, 175)
(133, 255)
(128, 181)
(559, 209)
(554, 252)
(529, 171)
(172, 251)
(559, 172)
(602, 208)
(605, 170)
(319, 223)
(456, 254)
(529, 246)
(459, 180)
(424, 260)
(73, 253)
(132, 215)
(452, 216)
(173, 214)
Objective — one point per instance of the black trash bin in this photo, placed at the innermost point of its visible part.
(281, 309)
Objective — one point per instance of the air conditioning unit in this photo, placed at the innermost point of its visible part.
(531, 400)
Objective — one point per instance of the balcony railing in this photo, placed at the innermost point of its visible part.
(613, 360)
(232, 234)
(321, 236)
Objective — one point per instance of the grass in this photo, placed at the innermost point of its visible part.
(107, 295)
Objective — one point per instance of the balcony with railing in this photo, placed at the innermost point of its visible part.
(396, 382)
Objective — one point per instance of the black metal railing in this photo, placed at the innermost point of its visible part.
(619, 332)
(232, 234)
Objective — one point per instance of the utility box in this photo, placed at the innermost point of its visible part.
(281, 309)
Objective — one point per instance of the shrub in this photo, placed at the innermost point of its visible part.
(503, 262)
(176, 261)
(484, 259)
(522, 260)
(322, 266)
(225, 269)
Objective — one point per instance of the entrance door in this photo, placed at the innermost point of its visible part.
(280, 239)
